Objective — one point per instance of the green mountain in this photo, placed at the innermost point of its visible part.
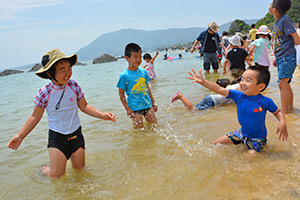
(114, 43)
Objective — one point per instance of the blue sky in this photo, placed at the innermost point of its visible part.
(29, 28)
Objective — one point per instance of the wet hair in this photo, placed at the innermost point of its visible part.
(132, 47)
(252, 25)
(223, 82)
(225, 33)
(147, 56)
(263, 75)
(282, 6)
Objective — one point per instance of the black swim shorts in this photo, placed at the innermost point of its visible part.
(67, 144)
(142, 112)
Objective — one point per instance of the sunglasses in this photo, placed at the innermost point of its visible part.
(211, 30)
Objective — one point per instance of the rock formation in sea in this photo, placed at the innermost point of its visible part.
(104, 58)
(10, 71)
(35, 67)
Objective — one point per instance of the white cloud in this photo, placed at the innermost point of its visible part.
(10, 9)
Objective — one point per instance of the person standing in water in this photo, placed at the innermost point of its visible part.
(61, 98)
(150, 64)
(210, 42)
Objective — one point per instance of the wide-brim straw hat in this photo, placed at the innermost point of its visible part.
(235, 40)
(214, 27)
(50, 58)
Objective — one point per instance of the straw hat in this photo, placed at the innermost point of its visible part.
(50, 58)
(214, 27)
(235, 40)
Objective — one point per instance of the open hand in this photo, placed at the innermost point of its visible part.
(282, 131)
(196, 77)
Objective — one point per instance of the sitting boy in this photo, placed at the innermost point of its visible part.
(251, 108)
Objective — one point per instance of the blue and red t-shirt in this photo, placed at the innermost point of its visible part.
(251, 111)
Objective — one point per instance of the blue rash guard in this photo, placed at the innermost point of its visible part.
(251, 111)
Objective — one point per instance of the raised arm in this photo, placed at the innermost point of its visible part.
(154, 57)
(32, 121)
(198, 78)
(90, 110)
(282, 128)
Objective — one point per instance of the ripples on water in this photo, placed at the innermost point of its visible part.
(173, 159)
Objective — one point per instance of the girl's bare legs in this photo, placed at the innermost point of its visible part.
(78, 159)
(57, 166)
(58, 162)
(184, 100)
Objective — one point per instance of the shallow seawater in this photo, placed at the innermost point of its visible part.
(172, 159)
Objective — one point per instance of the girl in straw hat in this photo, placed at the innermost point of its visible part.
(61, 98)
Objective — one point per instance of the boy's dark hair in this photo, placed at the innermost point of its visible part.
(282, 6)
(147, 56)
(263, 75)
(223, 82)
(253, 25)
(224, 33)
(132, 47)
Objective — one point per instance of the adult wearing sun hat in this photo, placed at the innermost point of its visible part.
(210, 45)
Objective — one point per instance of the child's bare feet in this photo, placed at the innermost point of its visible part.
(44, 169)
(176, 96)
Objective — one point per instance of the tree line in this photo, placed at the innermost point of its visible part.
(269, 20)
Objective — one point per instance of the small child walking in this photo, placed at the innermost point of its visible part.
(133, 82)
(61, 98)
(150, 64)
(260, 47)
